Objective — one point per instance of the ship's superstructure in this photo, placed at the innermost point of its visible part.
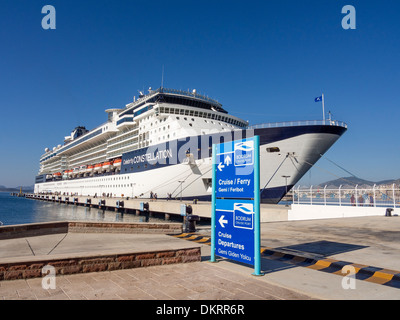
(161, 143)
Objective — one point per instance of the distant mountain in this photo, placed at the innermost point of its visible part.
(397, 181)
(16, 189)
(350, 182)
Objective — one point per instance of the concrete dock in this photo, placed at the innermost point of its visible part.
(166, 208)
(368, 241)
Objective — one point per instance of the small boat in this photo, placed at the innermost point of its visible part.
(106, 165)
(117, 163)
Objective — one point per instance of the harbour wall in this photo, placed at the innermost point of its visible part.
(46, 228)
(269, 212)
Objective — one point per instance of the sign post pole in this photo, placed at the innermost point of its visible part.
(213, 197)
(257, 236)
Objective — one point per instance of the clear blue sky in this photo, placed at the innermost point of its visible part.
(265, 61)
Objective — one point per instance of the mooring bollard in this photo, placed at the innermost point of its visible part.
(388, 212)
(190, 225)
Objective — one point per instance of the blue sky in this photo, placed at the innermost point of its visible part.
(265, 61)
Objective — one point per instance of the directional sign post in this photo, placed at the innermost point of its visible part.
(235, 217)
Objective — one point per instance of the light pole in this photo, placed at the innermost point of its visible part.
(181, 182)
(286, 177)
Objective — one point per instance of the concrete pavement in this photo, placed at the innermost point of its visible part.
(372, 241)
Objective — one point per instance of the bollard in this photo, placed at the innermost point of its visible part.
(88, 202)
(190, 225)
(102, 203)
(388, 212)
(119, 204)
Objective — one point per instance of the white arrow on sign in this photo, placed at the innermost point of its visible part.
(228, 160)
(222, 221)
(220, 166)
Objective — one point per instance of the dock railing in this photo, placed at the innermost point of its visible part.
(376, 196)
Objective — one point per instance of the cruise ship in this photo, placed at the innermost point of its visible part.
(161, 143)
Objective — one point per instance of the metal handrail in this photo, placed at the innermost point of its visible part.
(300, 123)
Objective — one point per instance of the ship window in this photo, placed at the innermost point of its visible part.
(273, 149)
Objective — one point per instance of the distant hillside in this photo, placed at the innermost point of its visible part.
(16, 189)
(346, 182)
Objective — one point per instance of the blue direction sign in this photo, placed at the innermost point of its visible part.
(236, 202)
(235, 230)
(235, 169)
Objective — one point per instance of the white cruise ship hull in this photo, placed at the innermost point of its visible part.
(286, 154)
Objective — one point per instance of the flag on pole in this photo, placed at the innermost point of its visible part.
(318, 99)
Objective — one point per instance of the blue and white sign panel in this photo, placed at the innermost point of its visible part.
(235, 169)
(235, 230)
(236, 202)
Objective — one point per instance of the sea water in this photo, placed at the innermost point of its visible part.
(20, 210)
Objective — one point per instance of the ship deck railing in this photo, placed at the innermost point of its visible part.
(187, 94)
(328, 122)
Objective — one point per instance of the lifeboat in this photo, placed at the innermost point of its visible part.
(89, 168)
(117, 163)
(57, 175)
(82, 169)
(106, 165)
(75, 172)
(97, 167)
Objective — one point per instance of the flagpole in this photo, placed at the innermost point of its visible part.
(323, 108)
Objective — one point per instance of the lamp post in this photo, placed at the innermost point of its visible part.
(286, 177)
(181, 182)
